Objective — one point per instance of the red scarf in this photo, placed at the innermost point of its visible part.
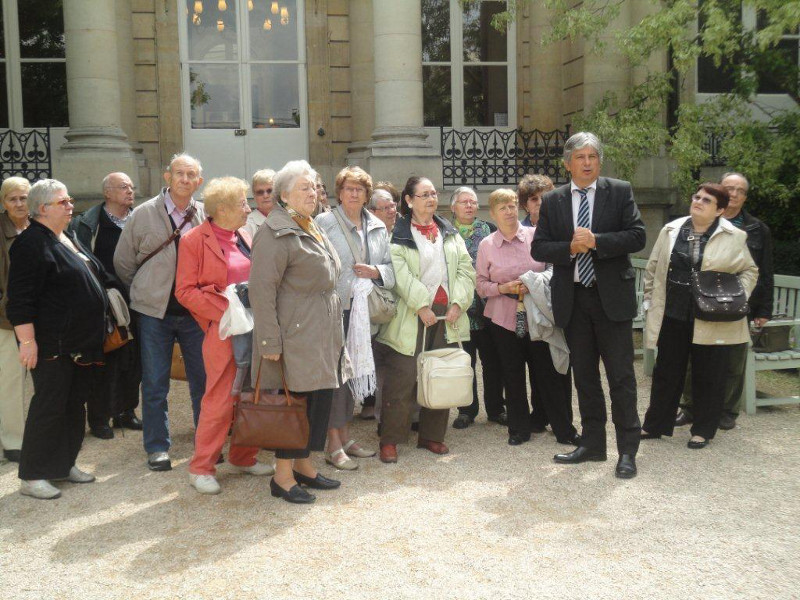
(429, 231)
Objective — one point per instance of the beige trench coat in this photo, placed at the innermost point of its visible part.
(296, 309)
(726, 251)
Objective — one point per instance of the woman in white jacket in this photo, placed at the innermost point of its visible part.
(707, 242)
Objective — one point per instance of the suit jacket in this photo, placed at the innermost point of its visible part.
(618, 229)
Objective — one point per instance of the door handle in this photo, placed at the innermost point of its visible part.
(239, 132)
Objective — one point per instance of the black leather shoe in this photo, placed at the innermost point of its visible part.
(128, 420)
(295, 495)
(12, 455)
(683, 419)
(515, 439)
(626, 467)
(574, 440)
(579, 455)
(320, 482)
(727, 422)
(501, 419)
(462, 421)
(649, 436)
(103, 432)
(697, 445)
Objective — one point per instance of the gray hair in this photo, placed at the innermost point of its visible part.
(582, 139)
(292, 171)
(262, 176)
(42, 193)
(463, 190)
(378, 195)
(185, 158)
(735, 174)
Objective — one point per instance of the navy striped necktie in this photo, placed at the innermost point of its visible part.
(585, 266)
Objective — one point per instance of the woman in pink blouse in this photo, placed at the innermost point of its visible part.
(503, 257)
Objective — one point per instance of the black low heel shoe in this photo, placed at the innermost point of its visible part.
(320, 482)
(697, 445)
(296, 495)
(649, 436)
(515, 439)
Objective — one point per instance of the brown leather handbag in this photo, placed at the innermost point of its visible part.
(271, 421)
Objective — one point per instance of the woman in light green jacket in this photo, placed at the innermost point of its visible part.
(434, 277)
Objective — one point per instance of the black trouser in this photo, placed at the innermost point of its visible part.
(709, 370)
(552, 388)
(54, 428)
(480, 343)
(123, 376)
(318, 409)
(734, 383)
(591, 335)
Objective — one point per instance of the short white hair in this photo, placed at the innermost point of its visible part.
(42, 192)
(262, 176)
(182, 156)
(582, 139)
(463, 190)
(380, 194)
(292, 171)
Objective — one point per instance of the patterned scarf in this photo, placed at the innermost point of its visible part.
(429, 231)
(306, 224)
(466, 231)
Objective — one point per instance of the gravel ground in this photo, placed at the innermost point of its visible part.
(485, 521)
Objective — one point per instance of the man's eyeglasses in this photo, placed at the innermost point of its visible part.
(703, 199)
(429, 195)
(125, 187)
(736, 190)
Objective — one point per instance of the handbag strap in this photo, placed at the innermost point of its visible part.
(257, 395)
(348, 238)
(190, 212)
(425, 330)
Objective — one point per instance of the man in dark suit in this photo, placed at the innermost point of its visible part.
(586, 230)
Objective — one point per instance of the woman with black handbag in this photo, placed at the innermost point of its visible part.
(298, 321)
(680, 321)
(362, 243)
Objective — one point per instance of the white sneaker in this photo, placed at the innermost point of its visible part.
(39, 488)
(259, 468)
(205, 484)
(78, 476)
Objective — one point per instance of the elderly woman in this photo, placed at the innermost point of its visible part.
(464, 206)
(530, 190)
(57, 304)
(298, 320)
(265, 201)
(13, 221)
(383, 203)
(502, 258)
(370, 265)
(434, 277)
(211, 257)
(703, 241)
(322, 205)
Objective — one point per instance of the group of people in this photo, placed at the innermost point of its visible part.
(554, 292)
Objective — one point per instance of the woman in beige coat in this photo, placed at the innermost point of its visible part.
(707, 242)
(298, 319)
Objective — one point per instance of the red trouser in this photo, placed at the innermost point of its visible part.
(216, 409)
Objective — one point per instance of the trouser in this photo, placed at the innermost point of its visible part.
(318, 409)
(709, 367)
(216, 413)
(156, 340)
(592, 336)
(123, 376)
(343, 403)
(98, 402)
(399, 392)
(481, 344)
(12, 392)
(553, 388)
(55, 427)
(734, 383)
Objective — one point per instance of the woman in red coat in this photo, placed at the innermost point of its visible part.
(211, 257)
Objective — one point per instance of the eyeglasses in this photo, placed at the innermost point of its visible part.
(358, 190)
(124, 187)
(64, 201)
(428, 195)
(392, 206)
(736, 190)
(467, 202)
(266, 192)
(703, 199)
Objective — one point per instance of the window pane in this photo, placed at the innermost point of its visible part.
(275, 96)
(436, 96)
(3, 97)
(273, 36)
(435, 31)
(212, 32)
(777, 71)
(486, 96)
(712, 79)
(482, 42)
(41, 29)
(44, 95)
(214, 97)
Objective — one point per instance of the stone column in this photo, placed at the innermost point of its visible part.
(399, 146)
(362, 78)
(96, 143)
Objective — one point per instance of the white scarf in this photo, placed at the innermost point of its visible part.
(359, 345)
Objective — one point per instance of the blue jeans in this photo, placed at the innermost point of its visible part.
(156, 340)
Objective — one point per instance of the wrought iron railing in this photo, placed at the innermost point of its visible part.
(478, 157)
(713, 145)
(26, 154)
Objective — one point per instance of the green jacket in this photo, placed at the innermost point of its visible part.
(401, 332)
